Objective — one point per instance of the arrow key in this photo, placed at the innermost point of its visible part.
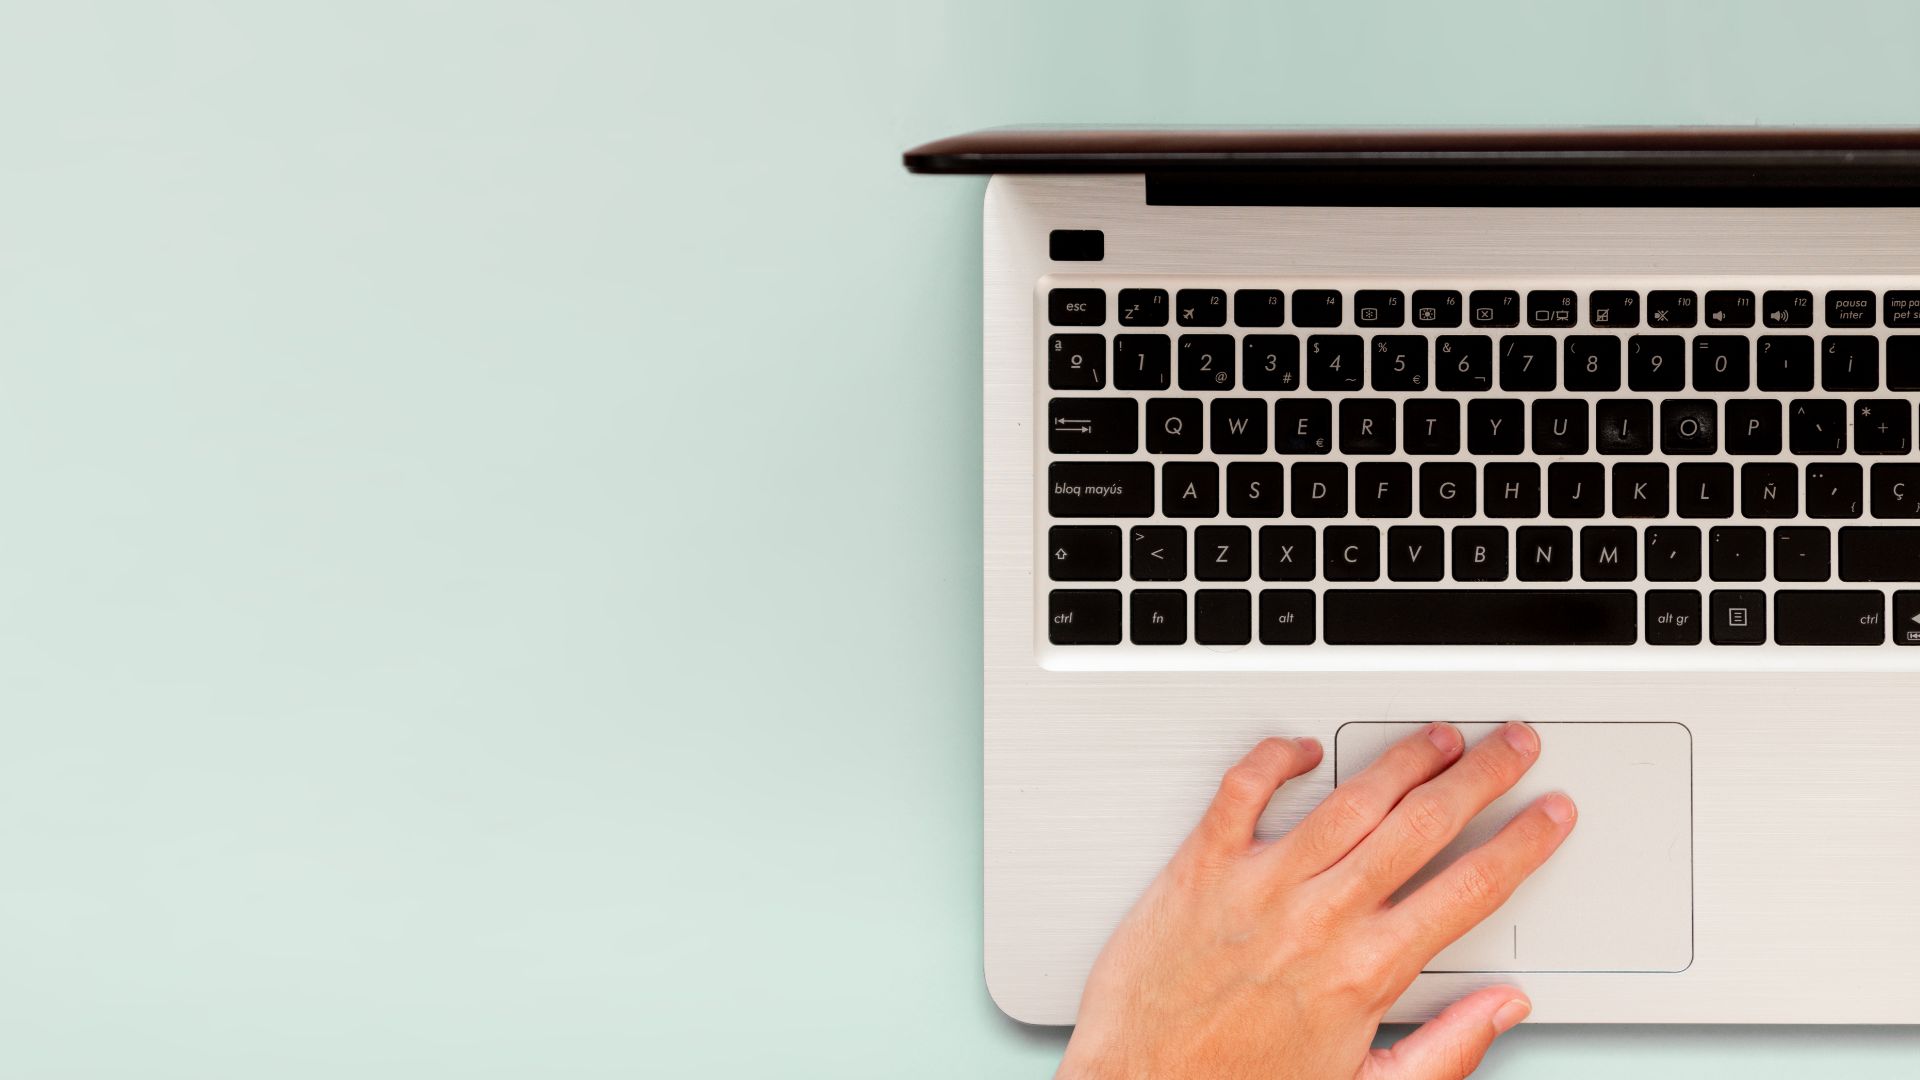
(1083, 553)
(1157, 552)
(1906, 617)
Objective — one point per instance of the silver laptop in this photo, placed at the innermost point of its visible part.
(1334, 433)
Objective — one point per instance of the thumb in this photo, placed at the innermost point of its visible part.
(1450, 1046)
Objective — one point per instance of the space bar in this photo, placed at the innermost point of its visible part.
(1481, 617)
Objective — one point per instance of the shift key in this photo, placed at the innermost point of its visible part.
(1100, 489)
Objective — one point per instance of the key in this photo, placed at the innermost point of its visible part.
(1849, 363)
(1157, 617)
(1099, 489)
(1896, 491)
(1316, 307)
(1543, 553)
(1802, 553)
(1436, 307)
(1576, 489)
(1077, 307)
(1673, 617)
(1222, 616)
(1656, 363)
(1803, 617)
(1882, 426)
(1848, 307)
(1190, 489)
(1834, 491)
(1400, 362)
(1157, 552)
(1613, 308)
(1076, 362)
(1142, 362)
(1206, 361)
(1495, 307)
(1640, 490)
(1902, 308)
(1623, 426)
(1721, 363)
(1906, 617)
(1083, 553)
(1201, 307)
(1496, 426)
(1415, 552)
(1730, 308)
(1592, 363)
(1378, 307)
(1352, 553)
(1753, 426)
(1688, 427)
(1223, 553)
(1788, 307)
(1287, 616)
(1552, 308)
(1319, 490)
(1480, 617)
(1367, 426)
(1255, 489)
(1083, 616)
(1527, 363)
(1737, 616)
(1259, 307)
(1432, 426)
(1769, 491)
(1559, 427)
(1463, 362)
(1786, 364)
(1383, 489)
(1479, 553)
(1513, 490)
(1093, 425)
(1704, 490)
(1880, 553)
(1239, 426)
(1672, 307)
(1737, 553)
(1334, 361)
(1903, 362)
(1302, 426)
(1817, 426)
(1076, 245)
(1271, 361)
(1447, 489)
(1143, 307)
(1673, 553)
(1287, 553)
(1174, 426)
(1607, 553)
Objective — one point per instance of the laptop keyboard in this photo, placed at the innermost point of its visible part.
(1652, 464)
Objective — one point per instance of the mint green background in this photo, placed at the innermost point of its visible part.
(489, 506)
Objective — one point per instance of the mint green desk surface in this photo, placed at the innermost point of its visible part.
(489, 506)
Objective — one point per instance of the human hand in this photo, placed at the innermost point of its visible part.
(1277, 959)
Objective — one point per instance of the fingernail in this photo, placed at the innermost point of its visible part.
(1521, 738)
(1558, 808)
(1445, 738)
(1511, 1013)
(1308, 743)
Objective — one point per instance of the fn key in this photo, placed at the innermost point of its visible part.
(1083, 617)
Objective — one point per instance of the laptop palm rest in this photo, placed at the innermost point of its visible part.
(1618, 895)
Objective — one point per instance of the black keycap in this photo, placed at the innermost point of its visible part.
(1334, 362)
(1480, 617)
(1552, 308)
(1463, 362)
(1352, 553)
(1378, 307)
(1623, 426)
(1222, 616)
(1753, 426)
(1882, 426)
(1206, 361)
(1100, 489)
(1901, 308)
(1400, 362)
(1543, 553)
(1576, 489)
(1528, 362)
(1672, 308)
(1880, 553)
(1656, 363)
(1835, 490)
(1496, 426)
(1255, 489)
(1613, 308)
(1366, 426)
(1157, 552)
(1259, 307)
(1673, 617)
(1076, 245)
(1479, 553)
(1143, 307)
(1447, 489)
(1239, 426)
(1303, 426)
(1190, 489)
(1200, 307)
(1817, 426)
(1721, 363)
(1416, 552)
(1791, 308)
(1512, 489)
(1737, 617)
(1223, 553)
(1729, 308)
(1083, 617)
(1174, 426)
(1287, 616)
(1896, 491)
(1847, 307)
(1077, 362)
(1607, 553)
(1849, 362)
(1436, 307)
(1737, 553)
(1903, 362)
(1077, 307)
(1319, 490)
(1689, 426)
(1494, 307)
(1157, 617)
(1673, 552)
(1592, 363)
(1083, 553)
(1093, 425)
(1142, 362)
(1807, 617)
(1316, 307)
(1383, 489)
(1287, 553)
(1432, 426)
(1769, 490)
(1802, 553)
(1906, 617)
(1640, 490)
(1270, 361)
(1559, 427)
(1703, 490)
(1786, 364)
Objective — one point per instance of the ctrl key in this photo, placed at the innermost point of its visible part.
(1083, 617)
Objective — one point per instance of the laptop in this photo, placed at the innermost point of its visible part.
(1334, 433)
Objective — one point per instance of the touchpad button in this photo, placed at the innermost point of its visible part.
(1618, 895)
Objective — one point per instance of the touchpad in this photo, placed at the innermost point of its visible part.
(1618, 895)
